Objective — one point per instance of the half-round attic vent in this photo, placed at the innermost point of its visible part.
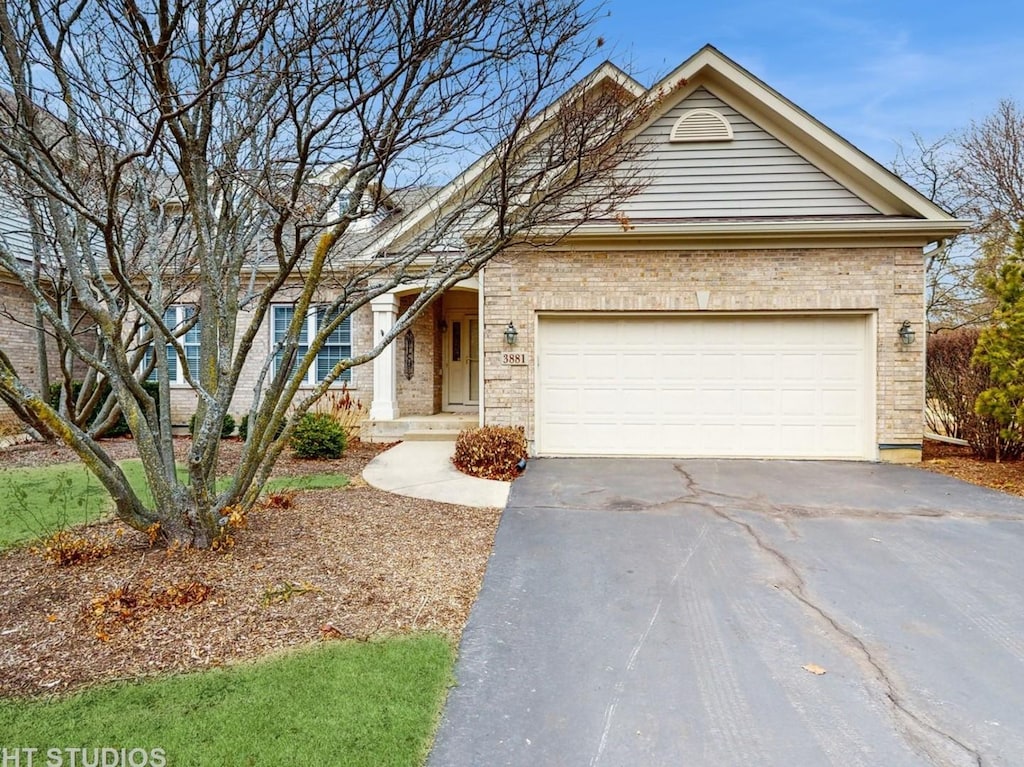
(701, 125)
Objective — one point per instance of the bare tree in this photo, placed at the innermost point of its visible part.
(935, 170)
(991, 172)
(977, 175)
(178, 151)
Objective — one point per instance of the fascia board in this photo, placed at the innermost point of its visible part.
(919, 230)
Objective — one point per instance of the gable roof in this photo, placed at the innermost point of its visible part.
(451, 193)
(877, 203)
(814, 140)
(704, 159)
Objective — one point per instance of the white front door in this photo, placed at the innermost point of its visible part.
(462, 361)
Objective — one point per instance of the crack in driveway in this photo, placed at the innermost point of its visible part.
(919, 732)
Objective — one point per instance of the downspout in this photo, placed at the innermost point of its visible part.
(481, 336)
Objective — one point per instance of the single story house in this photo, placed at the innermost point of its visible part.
(763, 296)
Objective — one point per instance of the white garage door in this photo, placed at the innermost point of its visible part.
(781, 386)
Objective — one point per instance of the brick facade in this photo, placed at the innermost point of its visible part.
(885, 282)
(20, 342)
(419, 388)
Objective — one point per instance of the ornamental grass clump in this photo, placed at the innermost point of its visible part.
(491, 452)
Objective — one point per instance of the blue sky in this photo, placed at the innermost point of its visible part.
(875, 72)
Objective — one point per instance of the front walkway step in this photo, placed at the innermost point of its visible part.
(431, 435)
(441, 426)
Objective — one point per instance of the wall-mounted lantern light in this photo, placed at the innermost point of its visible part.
(511, 334)
(907, 334)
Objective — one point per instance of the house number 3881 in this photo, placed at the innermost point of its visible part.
(513, 358)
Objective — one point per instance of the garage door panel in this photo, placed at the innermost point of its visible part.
(799, 402)
(798, 367)
(633, 366)
(599, 402)
(758, 367)
(678, 403)
(718, 366)
(562, 402)
(759, 438)
(597, 366)
(561, 366)
(838, 402)
(762, 334)
(786, 386)
(755, 403)
(796, 434)
(720, 438)
(835, 436)
(679, 366)
(717, 402)
(840, 367)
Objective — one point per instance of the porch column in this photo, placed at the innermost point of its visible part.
(385, 394)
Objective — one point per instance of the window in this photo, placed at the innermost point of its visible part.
(338, 346)
(344, 198)
(174, 317)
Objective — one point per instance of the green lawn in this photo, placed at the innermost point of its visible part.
(346, 703)
(39, 501)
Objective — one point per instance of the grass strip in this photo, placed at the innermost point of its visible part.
(38, 501)
(352, 703)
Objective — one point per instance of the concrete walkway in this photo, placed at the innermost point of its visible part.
(425, 470)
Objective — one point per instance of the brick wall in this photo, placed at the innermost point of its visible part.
(887, 282)
(19, 340)
(420, 394)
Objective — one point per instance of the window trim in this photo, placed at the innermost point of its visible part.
(311, 378)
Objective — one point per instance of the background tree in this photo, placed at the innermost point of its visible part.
(991, 173)
(177, 151)
(977, 175)
(1001, 345)
(934, 169)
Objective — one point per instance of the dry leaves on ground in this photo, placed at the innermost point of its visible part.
(342, 563)
(956, 461)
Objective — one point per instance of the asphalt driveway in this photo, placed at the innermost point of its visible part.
(657, 612)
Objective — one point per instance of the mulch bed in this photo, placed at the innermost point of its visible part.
(342, 563)
(957, 461)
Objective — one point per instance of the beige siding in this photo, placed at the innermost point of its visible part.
(753, 175)
(873, 281)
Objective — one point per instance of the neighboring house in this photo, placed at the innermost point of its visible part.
(747, 303)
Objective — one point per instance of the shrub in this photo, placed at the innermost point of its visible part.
(318, 435)
(225, 430)
(491, 452)
(120, 427)
(243, 428)
(953, 385)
